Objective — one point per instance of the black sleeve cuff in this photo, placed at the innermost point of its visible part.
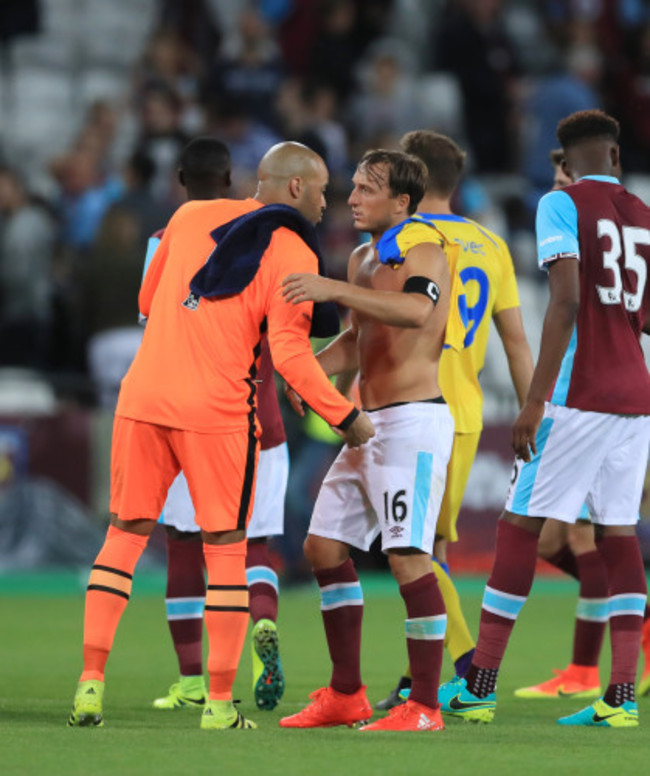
(348, 420)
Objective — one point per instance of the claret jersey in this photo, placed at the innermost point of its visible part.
(597, 222)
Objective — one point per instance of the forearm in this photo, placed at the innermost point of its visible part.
(520, 364)
(303, 373)
(510, 326)
(556, 334)
(293, 358)
(393, 308)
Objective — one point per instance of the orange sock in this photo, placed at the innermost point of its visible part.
(107, 595)
(226, 614)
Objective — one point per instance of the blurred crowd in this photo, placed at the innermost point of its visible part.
(97, 104)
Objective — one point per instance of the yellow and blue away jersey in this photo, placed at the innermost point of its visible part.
(485, 270)
(396, 242)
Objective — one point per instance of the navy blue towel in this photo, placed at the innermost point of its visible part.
(240, 245)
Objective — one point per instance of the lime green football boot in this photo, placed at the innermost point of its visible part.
(188, 692)
(87, 710)
(457, 701)
(268, 679)
(222, 715)
(601, 714)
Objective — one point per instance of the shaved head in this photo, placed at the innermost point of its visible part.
(292, 174)
(288, 160)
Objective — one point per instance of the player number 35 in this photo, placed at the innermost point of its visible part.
(632, 262)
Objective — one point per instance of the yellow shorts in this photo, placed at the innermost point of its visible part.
(458, 469)
(220, 470)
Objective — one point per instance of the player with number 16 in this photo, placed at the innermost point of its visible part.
(400, 306)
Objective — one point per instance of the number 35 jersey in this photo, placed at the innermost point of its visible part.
(597, 222)
(486, 271)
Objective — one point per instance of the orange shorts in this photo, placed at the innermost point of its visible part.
(220, 470)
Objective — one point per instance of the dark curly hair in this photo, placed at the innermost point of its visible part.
(587, 125)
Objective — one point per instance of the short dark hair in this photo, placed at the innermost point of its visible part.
(204, 157)
(556, 155)
(406, 173)
(587, 125)
(444, 159)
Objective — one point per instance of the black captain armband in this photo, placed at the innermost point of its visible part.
(421, 285)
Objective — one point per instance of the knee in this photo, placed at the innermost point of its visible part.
(397, 567)
(551, 539)
(546, 547)
(581, 540)
(141, 527)
(324, 553)
(408, 567)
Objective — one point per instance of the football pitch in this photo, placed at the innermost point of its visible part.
(40, 654)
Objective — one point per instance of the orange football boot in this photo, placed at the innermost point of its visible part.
(329, 708)
(410, 716)
(573, 682)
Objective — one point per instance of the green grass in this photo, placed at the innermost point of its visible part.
(40, 655)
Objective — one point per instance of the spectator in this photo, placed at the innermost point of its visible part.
(27, 241)
(109, 281)
(307, 114)
(247, 139)
(161, 136)
(169, 62)
(198, 25)
(320, 104)
(138, 199)
(336, 51)
(387, 100)
(570, 89)
(471, 42)
(631, 98)
(250, 70)
(85, 195)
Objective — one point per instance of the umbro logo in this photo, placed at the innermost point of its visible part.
(192, 301)
(396, 531)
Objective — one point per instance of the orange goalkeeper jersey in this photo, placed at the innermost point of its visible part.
(197, 364)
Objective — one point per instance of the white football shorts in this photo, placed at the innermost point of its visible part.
(268, 508)
(583, 457)
(391, 485)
